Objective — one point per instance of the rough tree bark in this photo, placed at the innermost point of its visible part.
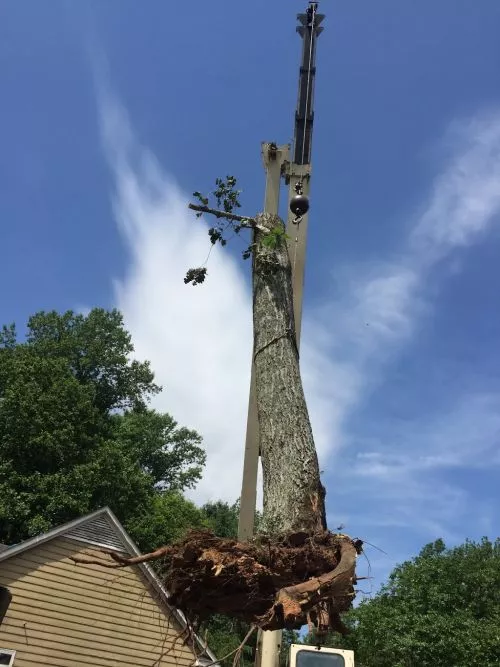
(293, 493)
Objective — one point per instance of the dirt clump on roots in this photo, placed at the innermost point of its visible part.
(271, 583)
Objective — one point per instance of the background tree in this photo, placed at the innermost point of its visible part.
(288, 637)
(163, 519)
(441, 608)
(76, 432)
(222, 518)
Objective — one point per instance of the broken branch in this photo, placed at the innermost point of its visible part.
(243, 220)
(292, 602)
(121, 561)
(82, 560)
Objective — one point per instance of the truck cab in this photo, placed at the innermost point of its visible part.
(319, 656)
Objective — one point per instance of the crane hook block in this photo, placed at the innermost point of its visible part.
(299, 205)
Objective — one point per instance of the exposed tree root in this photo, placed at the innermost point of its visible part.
(268, 583)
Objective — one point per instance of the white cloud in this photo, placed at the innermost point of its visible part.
(199, 339)
(466, 196)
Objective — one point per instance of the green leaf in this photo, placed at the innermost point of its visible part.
(196, 276)
(440, 608)
(75, 430)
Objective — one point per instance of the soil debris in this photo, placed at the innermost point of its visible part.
(271, 583)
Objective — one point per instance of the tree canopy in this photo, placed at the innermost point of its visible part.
(76, 432)
(441, 608)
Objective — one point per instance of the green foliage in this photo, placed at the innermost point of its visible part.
(75, 430)
(203, 201)
(96, 348)
(164, 520)
(226, 199)
(222, 518)
(224, 635)
(169, 454)
(441, 608)
(196, 276)
(275, 238)
(288, 638)
(226, 195)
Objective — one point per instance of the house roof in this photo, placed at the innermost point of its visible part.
(102, 528)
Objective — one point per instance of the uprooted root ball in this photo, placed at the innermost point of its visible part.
(270, 583)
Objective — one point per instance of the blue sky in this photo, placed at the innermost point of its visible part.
(113, 112)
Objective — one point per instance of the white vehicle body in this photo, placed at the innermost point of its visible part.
(312, 656)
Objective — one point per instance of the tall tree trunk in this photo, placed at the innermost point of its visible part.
(271, 586)
(293, 493)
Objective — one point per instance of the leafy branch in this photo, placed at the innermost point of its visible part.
(226, 198)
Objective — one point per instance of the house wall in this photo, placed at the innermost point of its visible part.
(68, 615)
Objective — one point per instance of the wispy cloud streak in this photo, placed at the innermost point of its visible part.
(198, 340)
(350, 338)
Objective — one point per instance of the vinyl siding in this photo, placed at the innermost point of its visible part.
(69, 615)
